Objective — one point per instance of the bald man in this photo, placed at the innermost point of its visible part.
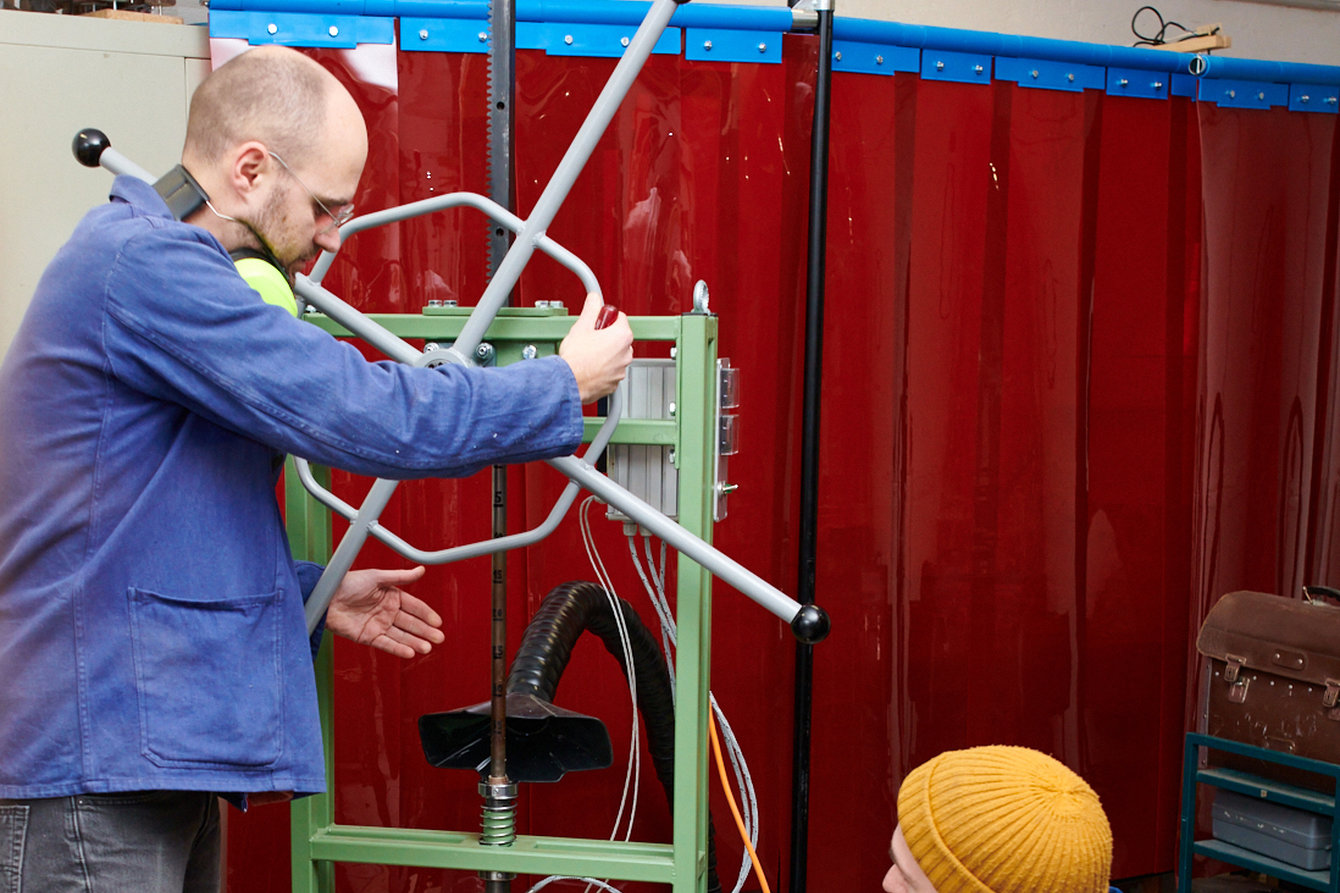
(153, 650)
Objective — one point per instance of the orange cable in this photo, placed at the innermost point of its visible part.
(730, 800)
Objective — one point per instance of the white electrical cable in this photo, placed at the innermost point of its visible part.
(634, 749)
(744, 781)
(567, 877)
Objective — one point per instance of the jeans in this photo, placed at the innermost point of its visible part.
(145, 841)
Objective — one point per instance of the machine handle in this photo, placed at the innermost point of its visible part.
(608, 314)
(89, 144)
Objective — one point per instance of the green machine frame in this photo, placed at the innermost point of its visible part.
(318, 842)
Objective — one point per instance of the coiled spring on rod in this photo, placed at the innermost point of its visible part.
(498, 818)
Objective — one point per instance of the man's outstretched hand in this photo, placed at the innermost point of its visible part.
(370, 608)
(598, 358)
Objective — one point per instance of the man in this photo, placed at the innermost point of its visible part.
(153, 650)
(998, 820)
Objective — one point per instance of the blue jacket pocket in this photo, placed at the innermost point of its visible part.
(208, 679)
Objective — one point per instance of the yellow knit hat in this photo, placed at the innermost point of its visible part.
(1005, 820)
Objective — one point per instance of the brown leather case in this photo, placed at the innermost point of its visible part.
(1273, 680)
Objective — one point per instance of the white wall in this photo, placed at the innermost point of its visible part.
(59, 74)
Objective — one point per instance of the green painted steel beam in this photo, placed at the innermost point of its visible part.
(657, 432)
(506, 327)
(651, 862)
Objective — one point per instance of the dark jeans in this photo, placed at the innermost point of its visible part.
(145, 841)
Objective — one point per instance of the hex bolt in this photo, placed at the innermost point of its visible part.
(762, 47)
(939, 66)
(1261, 95)
(1123, 82)
(1034, 72)
(707, 44)
(879, 60)
(673, 408)
(423, 34)
(1157, 85)
(1070, 76)
(1332, 100)
(624, 41)
(483, 37)
(529, 352)
(978, 69)
(1232, 94)
(334, 32)
(1304, 98)
(567, 38)
(272, 28)
(837, 57)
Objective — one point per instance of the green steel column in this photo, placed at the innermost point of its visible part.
(695, 395)
(309, 537)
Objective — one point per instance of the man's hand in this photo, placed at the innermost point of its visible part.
(370, 608)
(599, 358)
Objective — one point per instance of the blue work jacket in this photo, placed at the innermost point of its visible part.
(151, 614)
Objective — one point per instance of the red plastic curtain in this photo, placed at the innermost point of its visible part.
(1079, 371)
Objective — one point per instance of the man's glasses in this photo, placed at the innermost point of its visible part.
(338, 217)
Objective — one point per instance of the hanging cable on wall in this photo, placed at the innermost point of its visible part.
(1203, 39)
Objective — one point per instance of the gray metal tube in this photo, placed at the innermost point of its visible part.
(119, 164)
(346, 552)
(455, 200)
(583, 144)
(727, 569)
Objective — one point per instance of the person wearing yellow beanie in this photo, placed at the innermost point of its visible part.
(998, 819)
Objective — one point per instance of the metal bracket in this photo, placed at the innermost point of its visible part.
(1137, 82)
(1232, 666)
(1332, 693)
(727, 417)
(1323, 98)
(718, 45)
(448, 35)
(301, 30)
(1185, 85)
(441, 35)
(1243, 94)
(602, 41)
(874, 58)
(963, 68)
(1050, 75)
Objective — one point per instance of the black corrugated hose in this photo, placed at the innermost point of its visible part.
(565, 613)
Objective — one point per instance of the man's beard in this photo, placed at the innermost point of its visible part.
(272, 219)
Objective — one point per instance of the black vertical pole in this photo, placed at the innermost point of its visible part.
(500, 799)
(809, 449)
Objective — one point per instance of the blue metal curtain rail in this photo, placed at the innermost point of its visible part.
(574, 12)
(781, 20)
(1077, 52)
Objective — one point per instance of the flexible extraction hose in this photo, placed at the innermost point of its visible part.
(566, 612)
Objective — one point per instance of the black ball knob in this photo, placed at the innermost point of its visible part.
(811, 624)
(88, 146)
